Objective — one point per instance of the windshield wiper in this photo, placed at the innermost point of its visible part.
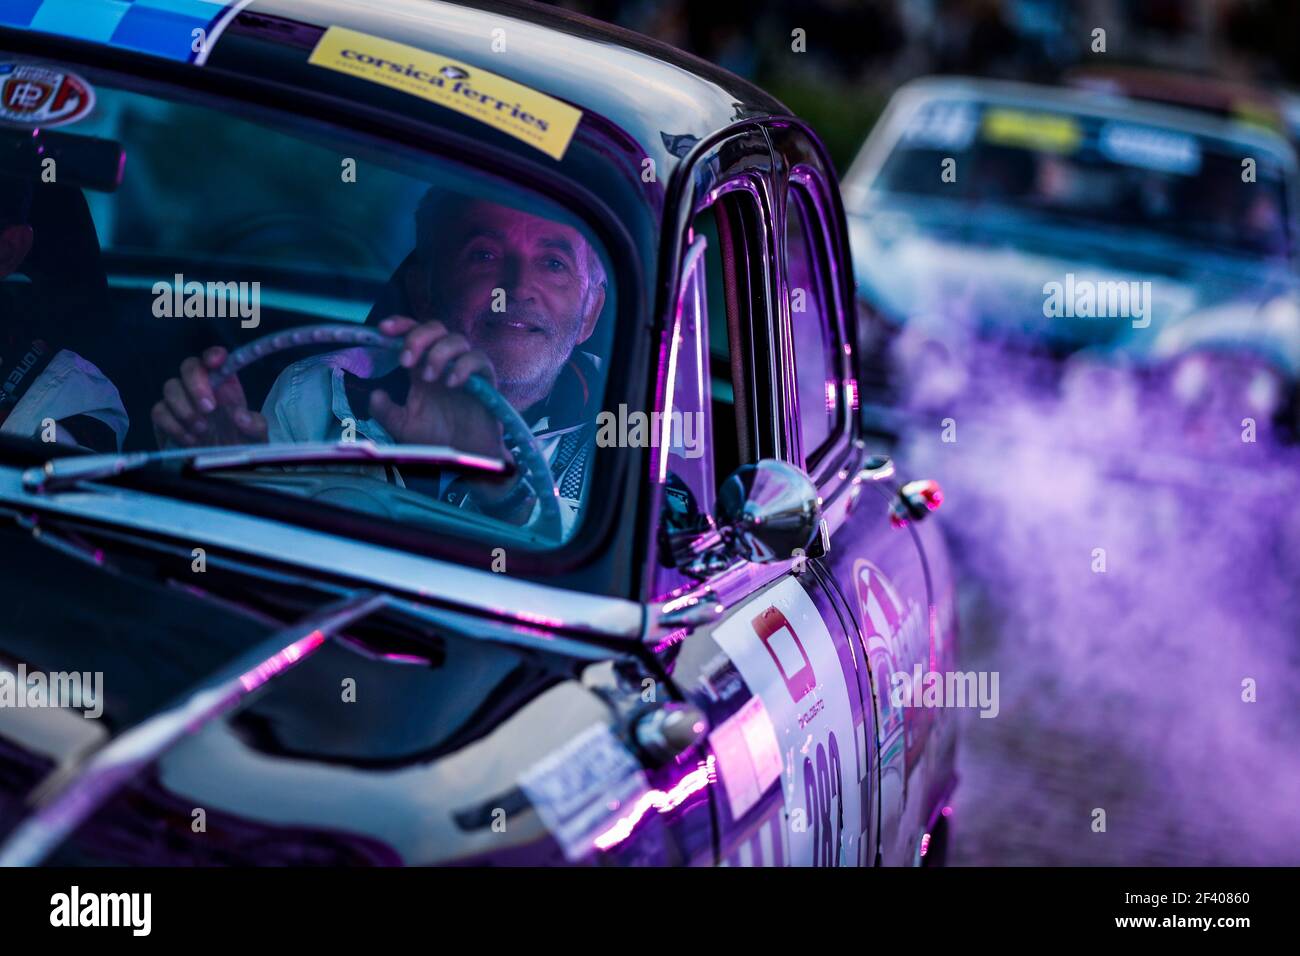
(61, 473)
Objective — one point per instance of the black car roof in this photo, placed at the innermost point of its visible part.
(662, 98)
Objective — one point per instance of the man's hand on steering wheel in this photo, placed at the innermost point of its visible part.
(437, 410)
(193, 414)
(443, 406)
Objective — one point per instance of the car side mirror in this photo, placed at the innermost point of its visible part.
(768, 511)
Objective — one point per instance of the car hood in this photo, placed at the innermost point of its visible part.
(351, 756)
(951, 277)
(131, 664)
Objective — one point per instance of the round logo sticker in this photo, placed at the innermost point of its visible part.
(38, 96)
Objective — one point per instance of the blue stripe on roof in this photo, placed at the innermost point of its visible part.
(19, 13)
(82, 19)
(203, 9)
(160, 32)
(159, 27)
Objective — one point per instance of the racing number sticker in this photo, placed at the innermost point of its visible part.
(787, 656)
(38, 96)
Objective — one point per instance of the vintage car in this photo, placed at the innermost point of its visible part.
(1081, 243)
(1224, 98)
(316, 635)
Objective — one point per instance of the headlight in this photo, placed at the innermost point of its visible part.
(1227, 382)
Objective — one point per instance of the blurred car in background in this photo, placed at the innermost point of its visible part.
(1225, 98)
(1290, 105)
(1080, 245)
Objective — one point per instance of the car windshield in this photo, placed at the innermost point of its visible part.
(154, 235)
(1096, 170)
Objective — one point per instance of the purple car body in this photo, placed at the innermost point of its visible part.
(707, 673)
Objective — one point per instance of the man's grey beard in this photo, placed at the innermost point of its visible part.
(515, 383)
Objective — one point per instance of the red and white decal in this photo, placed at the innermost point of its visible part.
(878, 601)
(788, 658)
(897, 639)
(38, 96)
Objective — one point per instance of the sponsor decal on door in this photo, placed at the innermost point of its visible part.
(787, 656)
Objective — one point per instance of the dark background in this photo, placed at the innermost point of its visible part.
(859, 51)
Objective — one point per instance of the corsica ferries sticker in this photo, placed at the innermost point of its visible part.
(516, 110)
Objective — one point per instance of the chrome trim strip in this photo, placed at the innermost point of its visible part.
(71, 794)
(368, 565)
(218, 28)
(812, 185)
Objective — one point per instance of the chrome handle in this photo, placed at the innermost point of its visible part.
(690, 614)
(668, 731)
(876, 468)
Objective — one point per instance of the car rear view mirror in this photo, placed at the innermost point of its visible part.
(84, 161)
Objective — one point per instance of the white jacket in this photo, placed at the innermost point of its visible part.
(309, 403)
(67, 387)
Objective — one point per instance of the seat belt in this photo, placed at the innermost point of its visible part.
(21, 363)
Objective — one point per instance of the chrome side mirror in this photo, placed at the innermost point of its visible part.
(768, 511)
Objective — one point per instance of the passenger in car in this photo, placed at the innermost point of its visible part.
(46, 392)
(494, 291)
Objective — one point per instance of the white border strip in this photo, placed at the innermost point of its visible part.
(219, 27)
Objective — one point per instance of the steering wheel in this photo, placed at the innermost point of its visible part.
(519, 438)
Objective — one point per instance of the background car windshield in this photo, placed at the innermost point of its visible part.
(1108, 172)
(170, 225)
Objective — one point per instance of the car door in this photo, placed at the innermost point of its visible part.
(761, 649)
(875, 567)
